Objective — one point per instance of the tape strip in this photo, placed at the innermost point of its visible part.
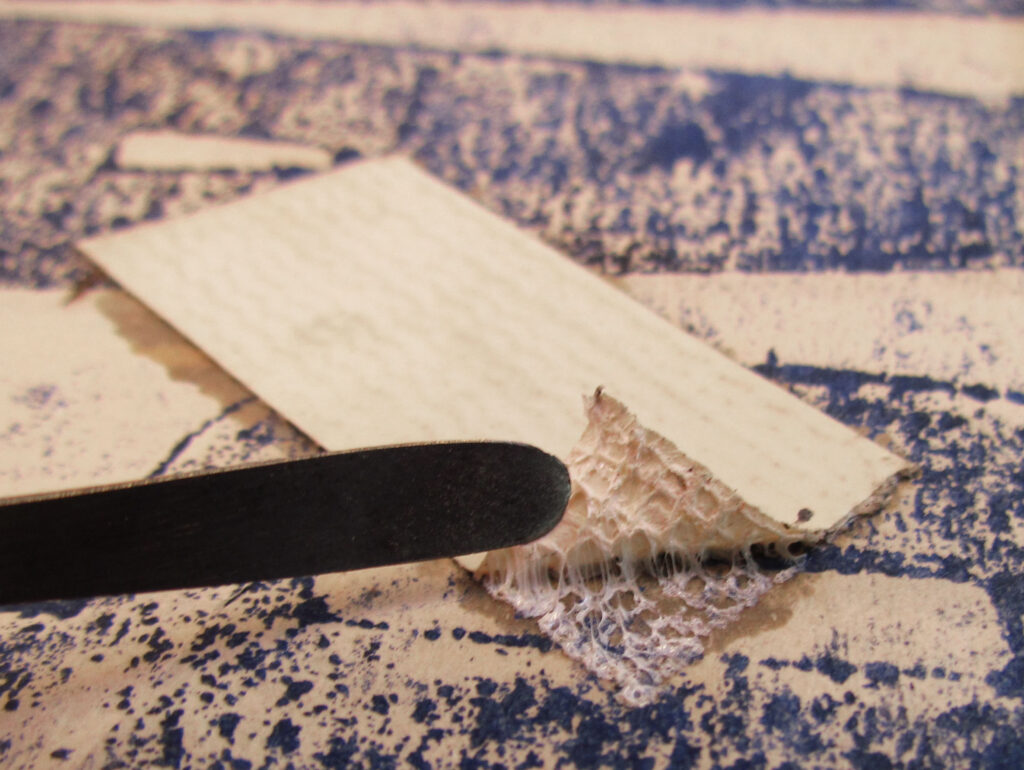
(375, 305)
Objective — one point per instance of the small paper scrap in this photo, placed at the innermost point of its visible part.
(176, 151)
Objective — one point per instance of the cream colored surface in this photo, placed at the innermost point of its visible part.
(981, 56)
(800, 617)
(875, 322)
(176, 151)
(375, 305)
(75, 378)
(877, 618)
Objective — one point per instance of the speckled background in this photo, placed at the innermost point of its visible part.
(900, 645)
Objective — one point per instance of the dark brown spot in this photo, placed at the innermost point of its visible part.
(804, 514)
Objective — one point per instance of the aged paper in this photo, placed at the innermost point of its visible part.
(375, 305)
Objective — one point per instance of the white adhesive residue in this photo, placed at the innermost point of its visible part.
(177, 151)
(972, 56)
(652, 554)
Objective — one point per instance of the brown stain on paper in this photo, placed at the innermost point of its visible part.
(774, 611)
(151, 337)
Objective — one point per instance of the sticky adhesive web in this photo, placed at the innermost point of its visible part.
(653, 553)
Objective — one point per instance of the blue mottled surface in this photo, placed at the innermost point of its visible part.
(901, 644)
(623, 168)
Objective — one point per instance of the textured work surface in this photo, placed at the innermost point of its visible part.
(626, 169)
(901, 644)
(876, 324)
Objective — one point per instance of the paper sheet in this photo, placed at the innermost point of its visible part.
(375, 305)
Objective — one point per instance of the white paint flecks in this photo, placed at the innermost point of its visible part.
(176, 151)
(973, 56)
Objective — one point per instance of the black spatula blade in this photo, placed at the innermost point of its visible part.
(328, 513)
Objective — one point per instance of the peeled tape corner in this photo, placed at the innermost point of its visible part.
(653, 554)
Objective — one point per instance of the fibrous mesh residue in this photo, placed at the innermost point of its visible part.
(652, 554)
